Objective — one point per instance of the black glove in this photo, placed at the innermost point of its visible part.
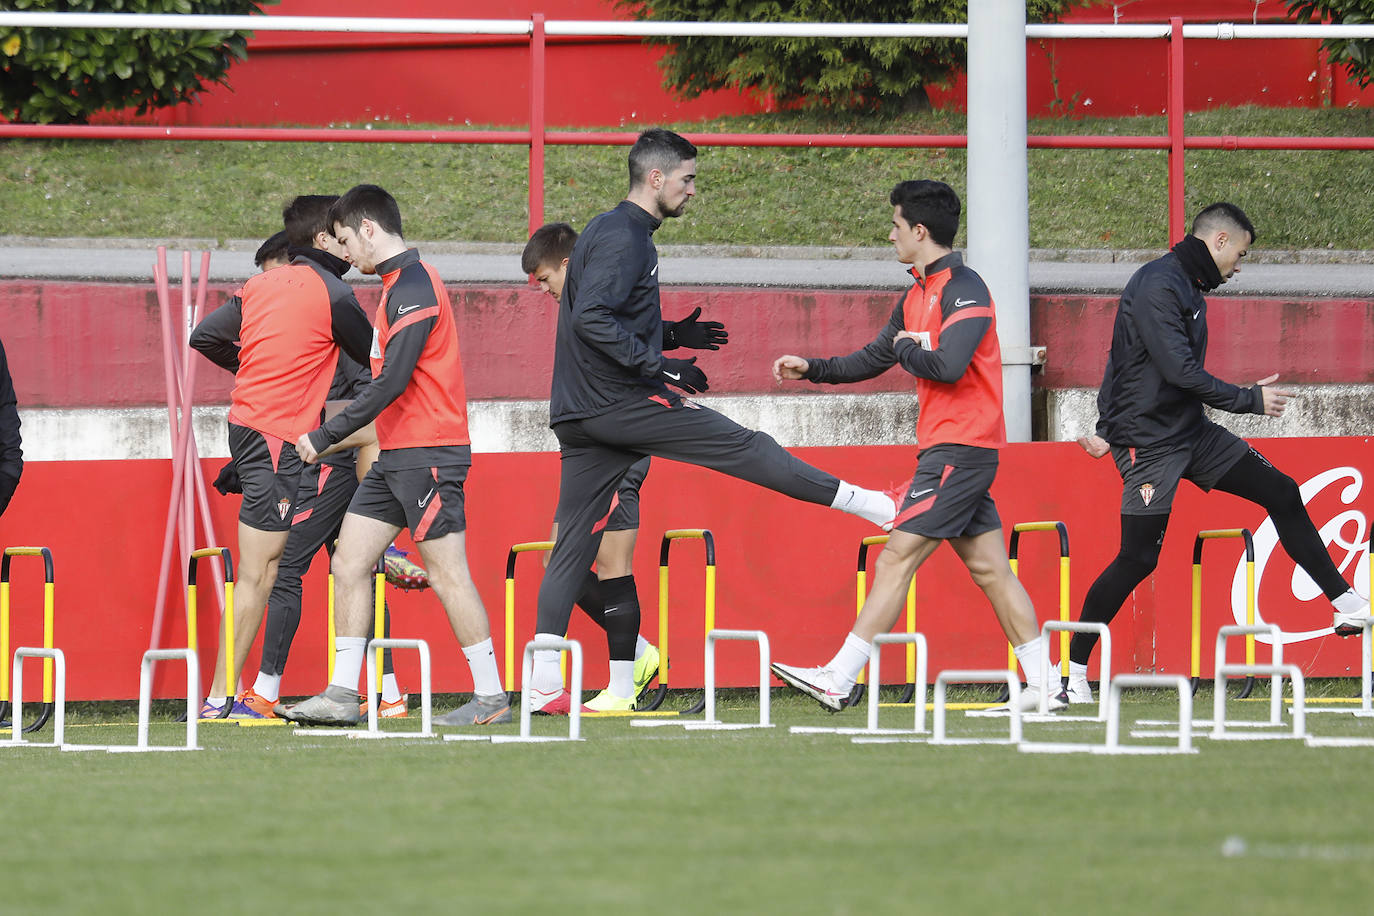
(228, 480)
(693, 334)
(684, 374)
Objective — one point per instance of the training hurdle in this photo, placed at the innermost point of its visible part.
(145, 705)
(374, 692)
(709, 611)
(511, 556)
(1277, 672)
(1104, 667)
(861, 595)
(48, 588)
(230, 675)
(942, 681)
(53, 658)
(541, 643)
(1112, 745)
(712, 723)
(1202, 538)
(1275, 694)
(1013, 549)
(378, 625)
(917, 644)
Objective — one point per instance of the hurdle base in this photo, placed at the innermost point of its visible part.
(134, 749)
(524, 739)
(1314, 741)
(848, 730)
(907, 738)
(723, 726)
(379, 736)
(468, 737)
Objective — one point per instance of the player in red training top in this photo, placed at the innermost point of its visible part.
(944, 332)
(418, 405)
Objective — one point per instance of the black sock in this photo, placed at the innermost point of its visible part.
(592, 599)
(621, 617)
(1141, 537)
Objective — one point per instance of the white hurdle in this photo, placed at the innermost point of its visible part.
(1219, 660)
(145, 702)
(59, 696)
(1185, 714)
(542, 643)
(1000, 676)
(1276, 672)
(712, 723)
(1365, 709)
(426, 696)
(874, 680)
(1104, 668)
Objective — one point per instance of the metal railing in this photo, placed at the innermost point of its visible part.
(538, 136)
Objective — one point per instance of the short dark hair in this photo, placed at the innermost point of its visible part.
(658, 148)
(933, 204)
(1220, 216)
(274, 249)
(307, 216)
(548, 246)
(366, 201)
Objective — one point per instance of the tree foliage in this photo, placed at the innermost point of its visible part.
(66, 75)
(1356, 54)
(867, 74)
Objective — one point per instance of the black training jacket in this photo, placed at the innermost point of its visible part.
(610, 329)
(1155, 385)
(11, 454)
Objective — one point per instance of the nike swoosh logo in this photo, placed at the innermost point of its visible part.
(1197, 313)
(426, 497)
(915, 495)
(402, 309)
(960, 303)
(677, 377)
(654, 271)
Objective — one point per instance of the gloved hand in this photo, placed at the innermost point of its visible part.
(228, 480)
(684, 374)
(693, 334)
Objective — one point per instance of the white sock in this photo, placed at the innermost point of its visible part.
(851, 659)
(641, 645)
(1077, 671)
(622, 679)
(871, 505)
(547, 676)
(215, 701)
(1350, 602)
(348, 661)
(268, 686)
(1030, 654)
(486, 680)
(391, 691)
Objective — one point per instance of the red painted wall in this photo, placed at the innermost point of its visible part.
(66, 341)
(784, 567)
(322, 79)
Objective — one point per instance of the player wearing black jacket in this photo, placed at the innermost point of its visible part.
(1150, 417)
(11, 455)
(611, 403)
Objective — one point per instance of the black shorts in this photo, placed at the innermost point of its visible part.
(270, 471)
(948, 501)
(625, 509)
(428, 501)
(1150, 475)
(323, 498)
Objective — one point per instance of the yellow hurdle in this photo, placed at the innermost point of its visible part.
(861, 594)
(378, 619)
(5, 704)
(515, 551)
(680, 534)
(1202, 538)
(1063, 531)
(230, 675)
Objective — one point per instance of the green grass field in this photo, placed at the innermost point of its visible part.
(666, 821)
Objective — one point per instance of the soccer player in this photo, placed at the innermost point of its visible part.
(609, 595)
(944, 332)
(611, 404)
(417, 402)
(1150, 419)
(11, 452)
(273, 252)
(289, 324)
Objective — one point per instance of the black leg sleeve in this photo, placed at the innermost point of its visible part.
(1141, 538)
(1255, 479)
(592, 599)
(621, 618)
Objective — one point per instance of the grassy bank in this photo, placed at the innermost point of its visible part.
(1078, 198)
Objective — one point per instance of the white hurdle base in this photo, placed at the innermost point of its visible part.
(59, 698)
(145, 701)
(541, 644)
(374, 730)
(1112, 746)
(1000, 676)
(875, 683)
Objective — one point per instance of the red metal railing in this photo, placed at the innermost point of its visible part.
(538, 136)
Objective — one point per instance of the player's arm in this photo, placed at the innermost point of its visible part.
(873, 359)
(11, 453)
(361, 438)
(1160, 324)
(606, 281)
(217, 335)
(965, 318)
(348, 322)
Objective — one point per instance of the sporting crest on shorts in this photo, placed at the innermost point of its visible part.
(283, 507)
(1147, 493)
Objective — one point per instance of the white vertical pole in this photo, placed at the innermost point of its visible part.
(998, 224)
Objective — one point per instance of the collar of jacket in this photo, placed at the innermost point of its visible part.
(639, 214)
(943, 262)
(337, 266)
(1192, 253)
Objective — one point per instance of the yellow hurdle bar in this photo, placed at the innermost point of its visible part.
(1063, 531)
(515, 551)
(677, 534)
(46, 554)
(330, 631)
(861, 583)
(378, 617)
(230, 676)
(1212, 535)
